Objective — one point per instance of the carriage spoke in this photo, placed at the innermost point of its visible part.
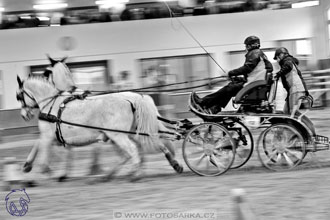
(279, 157)
(287, 158)
(199, 159)
(296, 154)
(271, 156)
(196, 140)
(217, 162)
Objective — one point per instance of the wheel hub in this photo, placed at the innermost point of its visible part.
(208, 149)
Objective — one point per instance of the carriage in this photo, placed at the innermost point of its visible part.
(224, 140)
(221, 142)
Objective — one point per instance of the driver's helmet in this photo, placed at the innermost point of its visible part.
(279, 51)
(252, 42)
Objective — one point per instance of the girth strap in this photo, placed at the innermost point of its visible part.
(57, 119)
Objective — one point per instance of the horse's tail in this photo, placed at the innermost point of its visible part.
(146, 121)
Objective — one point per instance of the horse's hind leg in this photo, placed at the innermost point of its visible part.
(130, 151)
(169, 152)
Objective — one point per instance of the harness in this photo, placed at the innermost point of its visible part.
(57, 119)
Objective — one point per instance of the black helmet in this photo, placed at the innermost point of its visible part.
(279, 51)
(252, 41)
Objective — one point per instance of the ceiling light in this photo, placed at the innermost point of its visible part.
(305, 4)
(42, 18)
(110, 2)
(2, 9)
(50, 6)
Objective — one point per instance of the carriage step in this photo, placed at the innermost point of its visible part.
(319, 143)
(317, 147)
(321, 146)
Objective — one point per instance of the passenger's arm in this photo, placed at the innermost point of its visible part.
(285, 69)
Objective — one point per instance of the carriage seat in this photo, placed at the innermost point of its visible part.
(255, 92)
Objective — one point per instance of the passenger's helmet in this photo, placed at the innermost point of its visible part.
(252, 42)
(280, 51)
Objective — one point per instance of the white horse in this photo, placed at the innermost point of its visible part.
(107, 112)
(60, 75)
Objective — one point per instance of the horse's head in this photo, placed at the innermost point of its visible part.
(34, 93)
(28, 103)
(59, 74)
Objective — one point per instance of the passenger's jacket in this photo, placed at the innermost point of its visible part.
(255, 67)
(291, 76)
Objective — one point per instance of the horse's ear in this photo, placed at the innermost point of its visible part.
(20, 82)
(64, 59)
(51, 60)
(47, 72)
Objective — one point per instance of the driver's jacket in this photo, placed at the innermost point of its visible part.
(255, 67)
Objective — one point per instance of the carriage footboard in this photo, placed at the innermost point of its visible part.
(320, 143)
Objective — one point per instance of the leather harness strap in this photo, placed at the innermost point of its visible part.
(57, 119)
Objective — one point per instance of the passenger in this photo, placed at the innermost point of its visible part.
(256, 67)
(291, 78)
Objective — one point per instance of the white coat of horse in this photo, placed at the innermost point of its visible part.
(108, 111)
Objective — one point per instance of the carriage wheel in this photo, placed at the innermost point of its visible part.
(244, 144)
(281, 147)
(209, 149)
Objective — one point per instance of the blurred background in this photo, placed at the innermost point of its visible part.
(121, 44)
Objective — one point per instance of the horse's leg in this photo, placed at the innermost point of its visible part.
(44, 145)
(139, 146)
(129, 150)
(27, 167)
(168, 149)
(115, 168)
(95, 167)
(68, 165)
(133, 151)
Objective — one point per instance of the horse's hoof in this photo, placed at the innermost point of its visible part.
(46, 170)
(178, 168)
(105, 179)
(62, 178)
(30, 183)
(27, 167)
(135, 178)
(95, 170)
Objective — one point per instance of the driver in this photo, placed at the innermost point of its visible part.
(256, 67)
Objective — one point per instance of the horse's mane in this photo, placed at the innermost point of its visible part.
(39, 82)
(38, 79)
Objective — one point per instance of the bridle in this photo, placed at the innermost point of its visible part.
(22, 92)
(20, 97)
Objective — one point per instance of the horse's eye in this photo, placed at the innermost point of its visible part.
(19, 96)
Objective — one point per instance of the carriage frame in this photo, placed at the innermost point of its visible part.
(283, 140)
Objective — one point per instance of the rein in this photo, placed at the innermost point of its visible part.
(57, 119)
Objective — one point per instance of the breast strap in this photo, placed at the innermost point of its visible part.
(57, 119)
